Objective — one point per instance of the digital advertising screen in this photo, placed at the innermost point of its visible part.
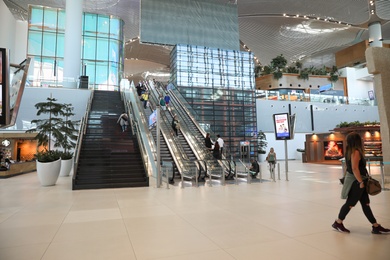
(333, 150)
(282, 126)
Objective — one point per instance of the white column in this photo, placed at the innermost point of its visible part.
(375, 34)
(72, 52)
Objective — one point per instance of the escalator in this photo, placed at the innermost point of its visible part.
(192, 137)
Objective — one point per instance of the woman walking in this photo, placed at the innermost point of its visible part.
(354, 189)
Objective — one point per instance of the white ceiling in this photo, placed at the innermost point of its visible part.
(263, 27)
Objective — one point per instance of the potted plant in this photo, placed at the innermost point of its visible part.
(261, 145)
(48, 129)
(48, 166)
(68, 140)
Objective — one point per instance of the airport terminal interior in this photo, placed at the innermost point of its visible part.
(129, 170)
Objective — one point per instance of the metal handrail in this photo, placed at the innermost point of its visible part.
(82, 131)
(179, 156)
(193, 115)
(134, 124)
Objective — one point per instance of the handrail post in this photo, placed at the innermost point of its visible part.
(260, 173)
(182, 180)
(210, 184)
(382, 175)
(197, 176)
(369, 166)
(223, 176)
(236, 180)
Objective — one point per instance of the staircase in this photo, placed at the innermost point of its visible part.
(109, 158)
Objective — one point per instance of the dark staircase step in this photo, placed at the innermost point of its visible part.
(109, 158)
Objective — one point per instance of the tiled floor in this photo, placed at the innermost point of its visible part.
(270, 220)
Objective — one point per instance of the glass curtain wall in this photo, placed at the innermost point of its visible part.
(219, 85)
(101, 54)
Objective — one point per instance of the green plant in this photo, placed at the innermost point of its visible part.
(68, 129)
(304, 74)
(48, 128)
(47, 156)
(279, 62)
(278, 74)
(54, 128)
(261, 142)
(66, 155)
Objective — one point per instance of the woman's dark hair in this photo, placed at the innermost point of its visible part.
(354, 142)
(208, 135)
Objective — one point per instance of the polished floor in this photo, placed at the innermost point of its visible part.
(270, 220)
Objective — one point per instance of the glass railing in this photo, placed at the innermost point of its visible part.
(307, 97)
(182, 163)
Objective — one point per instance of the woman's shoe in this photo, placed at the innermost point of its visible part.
(379, 230)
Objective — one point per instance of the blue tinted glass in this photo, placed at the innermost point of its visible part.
(103, 26)
(61, 21)
(113, 75)
(60, 69)
(36, 18)
(50, 19)
(90, 70)
(114, 51)
(90, 22)
(102, 49)
(49, 44)
(34, 43)
(115, 28)
(89, 48)
(101, 73)
(60, 45)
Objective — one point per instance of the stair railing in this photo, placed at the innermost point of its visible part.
(82, 131)
(183, 164)
(140, 125)
(135, 130)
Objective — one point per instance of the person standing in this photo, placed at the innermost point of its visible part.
(145, 98)
(354, 189)
(220, 143)
(208, 141)
(216, 151)
(167, 99)
(162, 103)
(175, 125)
(123, 121)
(254, 169)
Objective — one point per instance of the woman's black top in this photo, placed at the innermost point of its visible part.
(362, 166)
(208, 142)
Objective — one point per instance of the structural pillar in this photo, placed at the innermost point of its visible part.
(378, 63)
(72, 51)
(375, 34)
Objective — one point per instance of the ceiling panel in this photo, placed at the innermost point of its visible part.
(263, 28)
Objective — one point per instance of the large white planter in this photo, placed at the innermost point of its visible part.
(48, 172)
(66, 167)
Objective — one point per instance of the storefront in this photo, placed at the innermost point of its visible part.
(17, 153)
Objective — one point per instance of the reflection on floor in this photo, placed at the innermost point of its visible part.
(269, 220)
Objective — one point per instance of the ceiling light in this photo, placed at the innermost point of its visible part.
(284, 15)
(318, 18)
(297, 15)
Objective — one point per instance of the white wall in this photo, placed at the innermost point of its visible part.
(357, 88)
(7, 30)
(27, 111)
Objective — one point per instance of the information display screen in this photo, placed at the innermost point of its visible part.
(282, 126)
